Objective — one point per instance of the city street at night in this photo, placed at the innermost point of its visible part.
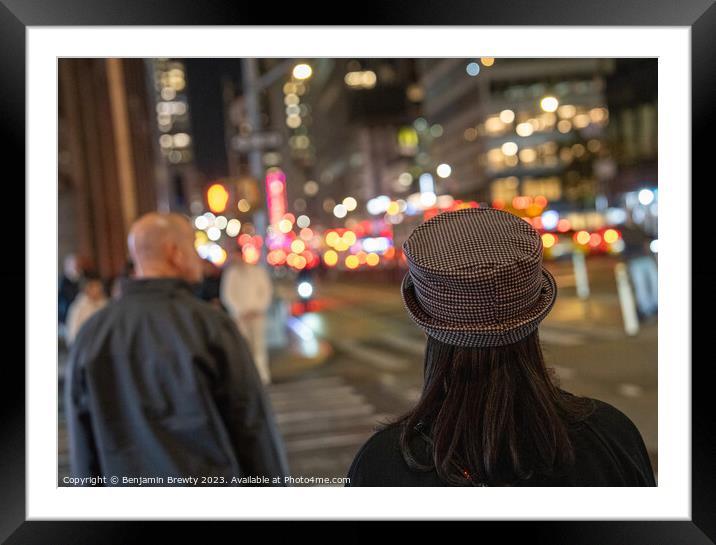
(259, 214)
(360, 363)
(375, 372)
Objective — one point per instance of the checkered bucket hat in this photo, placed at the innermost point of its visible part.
(475, 278)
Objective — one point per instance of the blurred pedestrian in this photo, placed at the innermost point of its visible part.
(90, 300)
(246, 293)
(642, 268)
(489, 413)
(161, 384)
(209, 289)
(69, 287)
(121, 279)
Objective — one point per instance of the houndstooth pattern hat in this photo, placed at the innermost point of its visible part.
(475, 278)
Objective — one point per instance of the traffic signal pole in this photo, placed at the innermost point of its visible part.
(253, 84)
(251, 90)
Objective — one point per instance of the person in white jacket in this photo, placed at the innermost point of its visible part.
(246, 292)
(90, 300)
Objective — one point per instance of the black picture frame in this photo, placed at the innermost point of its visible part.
(699, 15)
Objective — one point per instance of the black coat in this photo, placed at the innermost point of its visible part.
(161, 383)
(609, 451)
(67, 292)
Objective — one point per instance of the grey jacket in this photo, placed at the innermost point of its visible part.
(161, 384)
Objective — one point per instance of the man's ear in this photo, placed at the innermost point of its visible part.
(176, 257)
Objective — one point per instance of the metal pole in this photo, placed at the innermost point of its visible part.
(273, 75)
(250, 82)
(251, 89)
(228, 102)
(580, 275)
(626, 300)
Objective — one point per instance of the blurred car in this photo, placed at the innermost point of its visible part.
(606, 240)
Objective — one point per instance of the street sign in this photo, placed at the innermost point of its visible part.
(256, 141)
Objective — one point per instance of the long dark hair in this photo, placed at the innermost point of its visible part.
(491, 416)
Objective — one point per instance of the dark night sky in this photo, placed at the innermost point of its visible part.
(204, 91)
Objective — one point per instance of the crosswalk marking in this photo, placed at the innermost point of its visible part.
(377, 357)
(321, 413)
(326, 441)
(323, 426)
(314, 392)
(397, 353)
(408, 344)
(317, 402)
(306, 384)
(334, 412)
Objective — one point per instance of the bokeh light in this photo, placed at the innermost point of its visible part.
(472, 69)
(444, 170)
(285, 226)
(507, 116)
(509, 148)
(217, 197)
(582, 237)
(548, 240)
(302, 71)
(611, 236)
(298, 246)
(549, 104)
(350, 203)
(330, 258)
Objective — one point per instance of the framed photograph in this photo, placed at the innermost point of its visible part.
(278, 270)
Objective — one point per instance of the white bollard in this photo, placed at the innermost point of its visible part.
(626, 300)
(580, 275)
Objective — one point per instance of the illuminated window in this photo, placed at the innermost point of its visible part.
(550, 188)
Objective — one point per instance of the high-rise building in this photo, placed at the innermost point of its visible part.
(106, 159)
(344, 133)
(632, 93)
(518, 127)
(181, 184)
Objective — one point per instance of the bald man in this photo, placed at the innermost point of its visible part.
(161, 387)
